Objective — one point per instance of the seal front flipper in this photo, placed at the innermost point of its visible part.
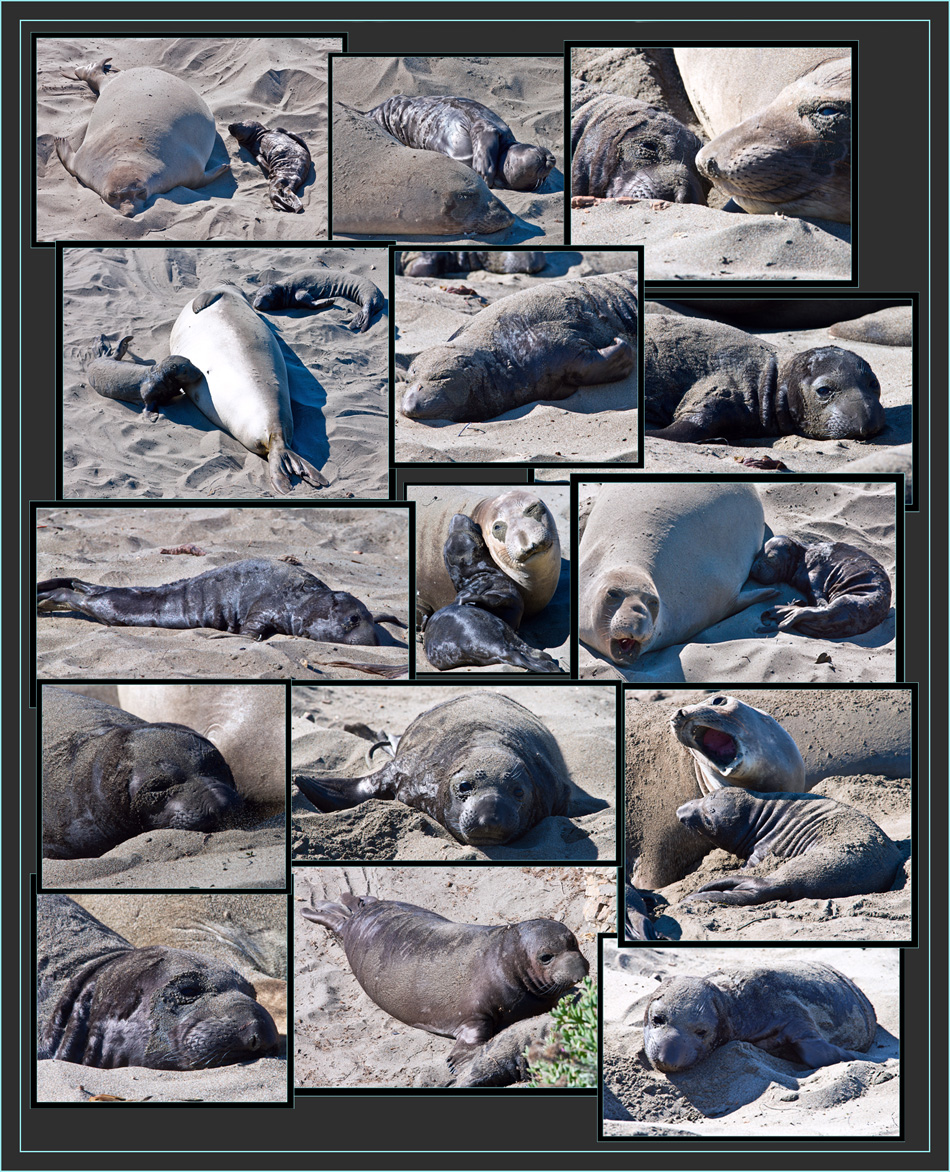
(210, 176)
(588, 366)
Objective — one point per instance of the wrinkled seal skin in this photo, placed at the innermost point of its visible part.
(536, 344)
(832, 850)
(793, 157)
(462, 981)
(259, 597)
(704, 380)
(304, 288)
(475, 574)
(805, 1013)
(481, 765)
(282, 156)
(108, 776)
(468, 132)
(624, 147)
(847, 591)
(435, 263)
(132, 382)
(149, 132)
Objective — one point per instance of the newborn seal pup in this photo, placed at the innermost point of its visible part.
(434, 263)
(149, 132)
(805, 1013)
(847, 592)
(108, 776)
(259, 597)
(539, 343)
(704, 380)
(304, 288)
(468, 132)
(133, 382)
(282, 156)
(481, 765)
(461, 981)
(832, 850)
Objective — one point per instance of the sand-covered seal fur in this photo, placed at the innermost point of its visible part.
(305, 288)
(435, 262)
(284, 158)
(462, 981)
(806, 1013)
(134, 382)
(540, 343)
(148, 133)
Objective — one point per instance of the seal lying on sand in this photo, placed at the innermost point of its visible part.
(805, 1013)
(847, 591)
(539, 343)
(149, 132)
(435, 263)
(282, 156)
(705, 380)
(462, 981)
(481, 765)
(832, 850)
(259, 597)
(108, 776)
(468, 132)
(133, 382)
(304, 288)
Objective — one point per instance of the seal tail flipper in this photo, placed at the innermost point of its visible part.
(64, 593)
(95, 75)
(330, 915)
(390, 618)
(330, 794)
(282, 463)
(283, 197)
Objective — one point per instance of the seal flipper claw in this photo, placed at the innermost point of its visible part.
(282, 463)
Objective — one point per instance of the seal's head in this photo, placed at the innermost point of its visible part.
(653, 158)
(448, 383)
(269, 297)
(553, 961)
(525, 167)
(489, 799)
(126, 189)
(178, 780)
(248, 134)
(779, 561)
(831, 393)
(166, 381)
(682, 1023)
(521, 530)
(471, 207)
(619, 612)
(725, 817)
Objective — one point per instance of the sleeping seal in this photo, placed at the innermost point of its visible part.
(435, 262)
(304, 288)
(282, 156)
(134, 382)
(149, 132)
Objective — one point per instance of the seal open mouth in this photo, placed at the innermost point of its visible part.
(718, 746)
(627, 649)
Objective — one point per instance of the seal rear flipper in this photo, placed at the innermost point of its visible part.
(330, 915)
(282, 463)
(284, 199)
(330, 794)
(588, 366)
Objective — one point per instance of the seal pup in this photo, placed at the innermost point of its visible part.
(704, 380)
(259, 597)
(244, 390)
(108, 776)
(468, 132)
(461, 981)
(283, 157)
(847, 592)
(134, 382)
(435, 263)
(149, 132)
(540, 343)
(806, 1013)
(825, 849)
(481, 765)
(475, 575)
(304, 288)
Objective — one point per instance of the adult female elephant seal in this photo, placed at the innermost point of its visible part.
(481, 765)
(660, 562)
(149, 132)
(244, 390)
(461, 981)
(805, 1013)
(826, 850)
(283, 157)
(539, 343)
(108, 776)
(304, 288)
(133, 382)
(704, 380)
(103, 1003)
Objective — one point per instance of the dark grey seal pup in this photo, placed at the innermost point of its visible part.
(624, 147)
(847, 592)
(435, 263)
(259, 597)
(461, 981)
(108, 776)
(304, 288)
(282, 156)
(103, 1003)
(468, 132)
(832, 850)
(704, 380)
(539, 343)
(481, 765)
(135, 382)
(805, 1013)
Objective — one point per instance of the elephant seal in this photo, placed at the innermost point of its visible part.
(244, 390)
(435, 263)
(462, 981)
(468, 132)
(476, 576)
(304, 288)
(149, 132)
(108, 776)
(805, 1013)
(826, 850)
(540, 343)
(704, 380)
(103, 1003)
(847, 591)
(481, 765)
(282, 156)
(133, 382)
(660, 562)
(259, 597)
(621, 146)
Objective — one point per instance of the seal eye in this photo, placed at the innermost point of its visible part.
(518, 792)
(465, 787)
(499, 529)
(700, 1033)
(827, 111)
(824, 392)
(659, 1019)
(546, 957)
(352, 621)
(718, 700)
(615, 593)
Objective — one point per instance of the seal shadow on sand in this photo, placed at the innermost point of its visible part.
(551, 626)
